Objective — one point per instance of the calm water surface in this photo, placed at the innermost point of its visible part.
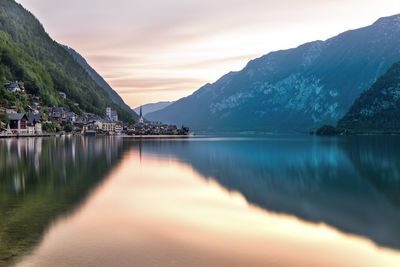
(267, 201)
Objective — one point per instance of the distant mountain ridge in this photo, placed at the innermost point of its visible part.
(115, 97)
(293, 90)
(378, 108)
(153, 107)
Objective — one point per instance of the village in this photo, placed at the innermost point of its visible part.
(41, 120)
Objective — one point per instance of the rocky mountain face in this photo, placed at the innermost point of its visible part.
(114, 96)
(377, 109)
(293, 90)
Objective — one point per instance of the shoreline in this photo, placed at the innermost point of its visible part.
(154, 137)
(360, 133)
(26, 135)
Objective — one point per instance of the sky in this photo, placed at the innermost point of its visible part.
(162, 50)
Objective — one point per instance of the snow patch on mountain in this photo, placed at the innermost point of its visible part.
(294, 93)
(231, 102)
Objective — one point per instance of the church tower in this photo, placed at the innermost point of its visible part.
(141, 119)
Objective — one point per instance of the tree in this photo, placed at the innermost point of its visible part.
(4, 118)
(328, 130)
(68, 128)
(50, 127)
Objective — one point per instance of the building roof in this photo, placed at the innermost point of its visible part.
(11, 85)
(56, 115)
(15, 116)
(32, 118)
(58, 109)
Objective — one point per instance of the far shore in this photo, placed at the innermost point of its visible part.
(155, 136)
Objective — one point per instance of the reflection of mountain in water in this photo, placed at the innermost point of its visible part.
(41, 179)
(350, 184)
(378, 161)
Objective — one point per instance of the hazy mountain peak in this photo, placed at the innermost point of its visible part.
(152, 107)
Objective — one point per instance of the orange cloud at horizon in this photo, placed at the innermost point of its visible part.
(160, 50)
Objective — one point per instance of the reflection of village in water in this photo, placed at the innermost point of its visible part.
(43, 178)
(33, 156)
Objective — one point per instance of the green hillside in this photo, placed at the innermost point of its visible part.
(100, 81)
(28, 54)
(378, 108)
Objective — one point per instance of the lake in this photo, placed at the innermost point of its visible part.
(208, 201)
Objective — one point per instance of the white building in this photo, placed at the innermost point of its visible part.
(112, 114)
(38, 128)
(30, 130)
(98, 125)
(108, 112)
(108, 127)
(118, 129)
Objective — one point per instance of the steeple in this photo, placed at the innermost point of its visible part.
(141, 119)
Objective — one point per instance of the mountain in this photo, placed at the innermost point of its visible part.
(117, 100)
(377, 109)
(28, 54)
(149, 108)
(293, 90)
